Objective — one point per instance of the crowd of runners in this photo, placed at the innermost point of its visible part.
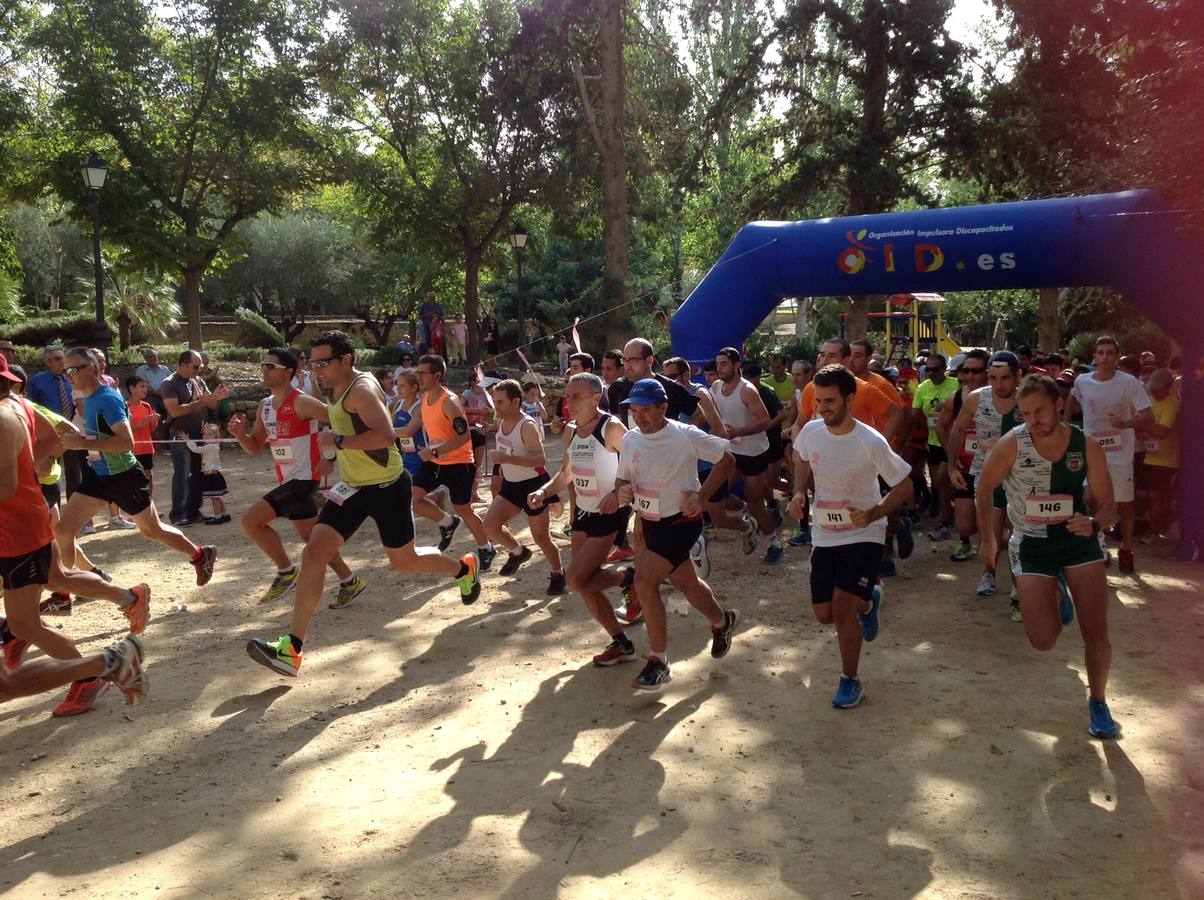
(1036, 459)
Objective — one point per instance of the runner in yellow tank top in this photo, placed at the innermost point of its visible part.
(375, 486)
(446, 460)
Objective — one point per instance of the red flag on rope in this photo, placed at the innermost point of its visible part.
(576, 336)
(524, 359)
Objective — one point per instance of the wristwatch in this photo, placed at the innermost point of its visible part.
(435, 452)
(338, 441)
(1094, 526)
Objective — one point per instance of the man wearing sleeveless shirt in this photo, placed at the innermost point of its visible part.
(971, 374)
(590, 464)
(27, 557)
(1042, 464)
(374, 485)
(520, 457)
(994, 413)
(287, 422)
(658, 478)
(447, 459)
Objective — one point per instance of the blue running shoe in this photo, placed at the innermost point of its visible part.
(848, 693)
(904, 539)
(1102, 725)
(1065, 604)
(800, 538)
(869, 620)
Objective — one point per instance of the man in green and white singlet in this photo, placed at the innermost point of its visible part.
(374, 485)
(1042, 465)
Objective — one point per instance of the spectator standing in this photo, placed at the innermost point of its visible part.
(187, 401)
(438, 345)
(459, 340)
(154, 374)
(563, 349)
(51, 389)
(492, 336)
(8, 351)
(427, 313)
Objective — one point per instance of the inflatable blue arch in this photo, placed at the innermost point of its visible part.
(1132, 242)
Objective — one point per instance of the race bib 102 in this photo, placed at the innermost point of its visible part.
(282, 452)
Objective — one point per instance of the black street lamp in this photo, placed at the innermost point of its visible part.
(518, 240)
(95, 171)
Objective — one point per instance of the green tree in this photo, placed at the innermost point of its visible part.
(141, 300)
(201, 107)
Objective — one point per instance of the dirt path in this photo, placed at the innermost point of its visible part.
(434, 750)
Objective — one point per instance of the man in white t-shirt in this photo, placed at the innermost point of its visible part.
(658, 478)
(1113, 405)
(846, 458)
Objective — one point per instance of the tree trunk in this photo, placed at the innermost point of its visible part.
(123, 329)
(193, 270)
(613, 152)
(472, 303)
(1049, 326)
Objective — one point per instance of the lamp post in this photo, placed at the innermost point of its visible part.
(95, 171)
(518, 240)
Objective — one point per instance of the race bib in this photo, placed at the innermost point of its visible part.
(282, 452)
(341, 493)
(648, 504)
(407, 444)
(1048, 509)
(1152, 445)
(1110, 441)
(834, 515)
(585, 482)
(932, 420)
(971, 443)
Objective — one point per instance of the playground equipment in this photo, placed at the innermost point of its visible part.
(908, 330)
(1132, 242)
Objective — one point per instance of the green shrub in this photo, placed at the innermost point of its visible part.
(257, 330)
(69, 328)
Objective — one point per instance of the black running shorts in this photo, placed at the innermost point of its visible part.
(515, 493)
(936, 455)
(388, 505)
(478, 439)
(852, 567)
(968, 493)
(146, 460)
(28, 569)
(128, 489)
(751, 466)
(721, 492)
(597, 524)
(294, 500)
(672, 537)
(456, 477)
(52, 494)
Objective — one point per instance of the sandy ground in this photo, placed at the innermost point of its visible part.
(435, 750)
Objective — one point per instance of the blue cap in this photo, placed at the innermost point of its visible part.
(646, 392)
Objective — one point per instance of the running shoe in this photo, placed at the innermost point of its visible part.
(567, 531)
(1065, 601)
(1127, 566)
(986, 585)
(56, 605)
(348, 592)
(217, 520)
(14, 651)
(138, 612)
(942, 532)
(486, 555)
(904, 538)
(124, 669)
(88, 528)
(446, 533)
(887, 568)
(514, 560)
(750, 535)
(1102, 724)
(621, 554)
(556, 584)
(616, 652)
(278, 655)
(700, 557)
(869, 620)
(470, 581)
(120, 523)
(721, 637)
(800, 538)
(848, 693)
(962, 551)
(708, 529)
(81, 696)
(630, 613)
(281, 585)
(773, 553)
(1016, 614)
(655, 676)
(204, 565)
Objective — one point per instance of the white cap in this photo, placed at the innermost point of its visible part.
(956, 363)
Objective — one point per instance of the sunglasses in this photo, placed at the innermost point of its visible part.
(934, 368)
(72, 371)
(268, 365)
(978, 371)
(323, 363)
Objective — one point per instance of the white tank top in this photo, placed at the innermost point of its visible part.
(512, 442)
(733, 412)
(990, 425)
(594, 467)
(292, 440)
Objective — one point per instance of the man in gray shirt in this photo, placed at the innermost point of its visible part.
(186, 400)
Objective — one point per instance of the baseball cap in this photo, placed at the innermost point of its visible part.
(1066, 376)
(956, 363)
(646, 392)
(4, 371)
(1004, 358)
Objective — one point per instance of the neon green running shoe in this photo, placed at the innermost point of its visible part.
(281, 585)
(277, 655)
(470, 583)
(348, 592)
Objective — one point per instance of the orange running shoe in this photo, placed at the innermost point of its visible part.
(621, 554)
(14, 651)
(138, 612)
(81, 696)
